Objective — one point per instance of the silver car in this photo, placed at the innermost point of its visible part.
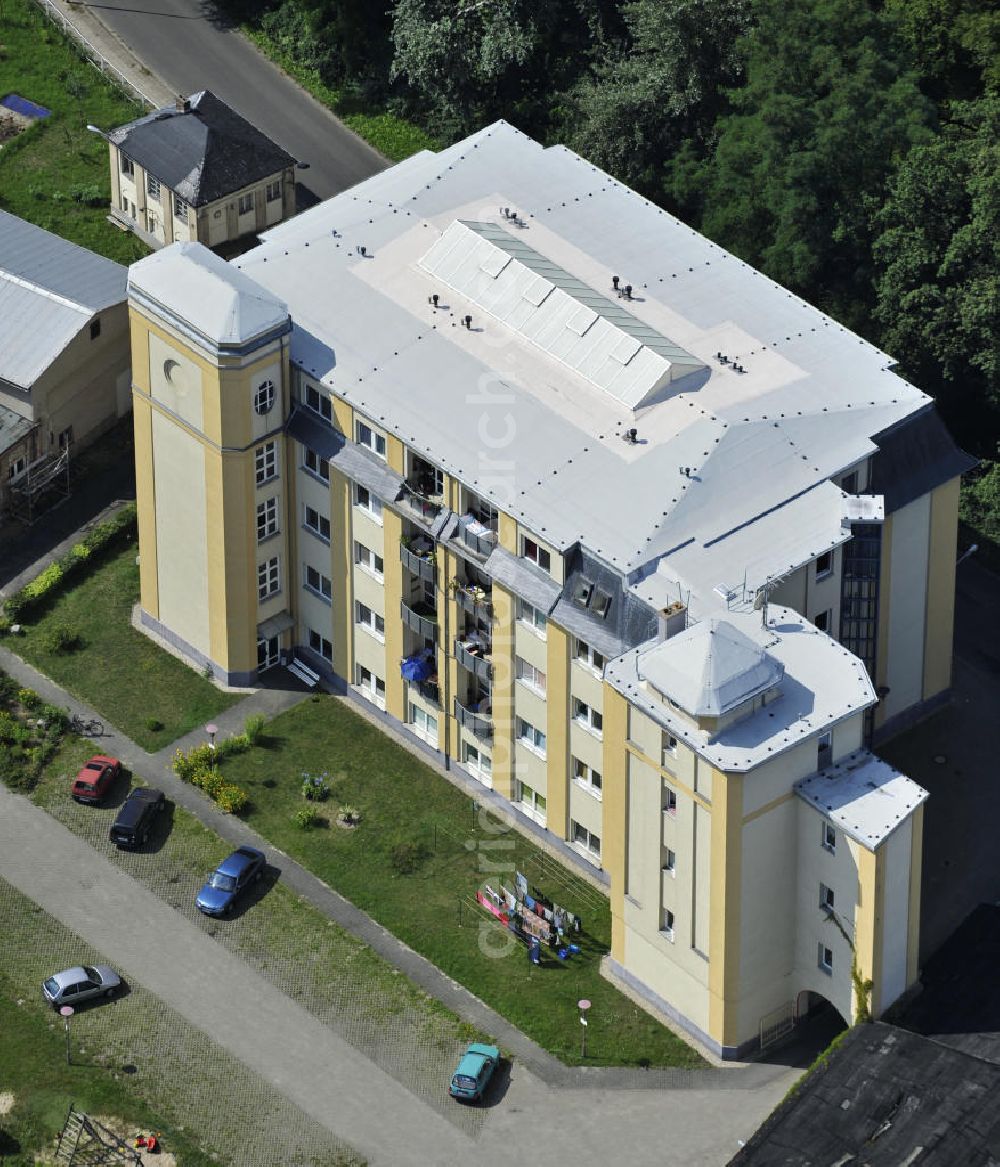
(80, 984)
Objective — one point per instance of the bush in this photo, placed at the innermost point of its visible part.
(253, 727)
(208, 779)
(237, 743)
(407, 857)
(232, 799)
(5, 625)
(29, 699)
(315, 787)
(154, 724)
(307, 817)
(199, 758)
(61, 638)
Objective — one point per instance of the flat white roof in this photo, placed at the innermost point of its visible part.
(863, 796)
(722, 452)
(822, 684)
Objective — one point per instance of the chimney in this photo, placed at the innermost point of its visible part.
(182, 104)
(671, 620)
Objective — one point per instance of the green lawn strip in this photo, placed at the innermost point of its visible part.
(393, 136)
(56, 173)
(403, 801)
(127, 678)
(33, 1069)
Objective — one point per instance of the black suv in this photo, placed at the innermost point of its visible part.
(131, 828)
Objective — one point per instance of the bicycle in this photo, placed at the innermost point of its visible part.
(86, 726)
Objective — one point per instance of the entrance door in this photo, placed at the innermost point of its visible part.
(268, 653)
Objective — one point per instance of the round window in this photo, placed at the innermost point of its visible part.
(263, 400)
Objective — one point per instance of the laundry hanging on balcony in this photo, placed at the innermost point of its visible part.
(418, 667)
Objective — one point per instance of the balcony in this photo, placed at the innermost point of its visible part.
(472, 651)
(479, 721)
(421, 618)
(418, 556)
(424, 506)
(472, 598)
(429, 691)
(476, 537)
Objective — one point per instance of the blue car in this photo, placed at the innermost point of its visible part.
(474, 1072)
(229, 879)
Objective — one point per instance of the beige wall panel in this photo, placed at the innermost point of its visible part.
(531, 769)
(792, 590)
(557, 708)
(340, 560)
(586, 810)
(700, 885)
(314, 613)
(586, 747)
(370, 533)
(585, 683)
(907, 606)
(368, 590)
(941, 588)
(644, 833)
(534, 649)
(727, 899)
(182, 549)
(650, 959)
(644, 732)
(145, 495)
(772, 779)
(896, 854)
(176, 381)
(614, 848)
(368, 652)
(913, 910)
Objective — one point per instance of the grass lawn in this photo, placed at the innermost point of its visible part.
(128, 679)
(392, 136)
(55, 174)
(403, 801)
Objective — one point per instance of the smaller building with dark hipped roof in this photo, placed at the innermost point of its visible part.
(197, 171)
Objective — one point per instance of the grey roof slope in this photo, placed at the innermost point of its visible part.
(203, 152)
(914, 457)
(885, 1098)
(49, 290)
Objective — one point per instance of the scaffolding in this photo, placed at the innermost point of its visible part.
(43, 483)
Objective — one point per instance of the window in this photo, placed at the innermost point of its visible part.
(532, 803)
(589, 718)
(424, 724)
(483, 511)
(317, 523)
(586, 841)
(824, 564)
(180, 209)
(533, 617)
(266, 460)
(127, 166)
(590, 657)
(478, 763)
(263, 398)
(824, 751)
(530, 676)
(246, 203)
(670, 744)
(95, 328)
(320, 644)
(533, 738)
(371, 686)
(826, 897)
(825, 958)
(822, 620)
(366, 558)
(668, 924)
(531, 550)
(671, 863)
(153, 187)
(587, 777)
(272, 192)
(318, 584)
(316, 465)
(366, 436)
(370, 621)
(267, 519)
(829, 837)
(66, 438)
(366, 501)
(670, 800)
(319, 403)
(268, 579)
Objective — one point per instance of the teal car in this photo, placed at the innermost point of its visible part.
(474, 1071)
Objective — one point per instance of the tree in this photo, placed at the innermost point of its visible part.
(955, 43)
(938, 253)
(825, 117)
(658, 85)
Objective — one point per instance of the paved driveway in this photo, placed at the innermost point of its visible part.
(697, 1122)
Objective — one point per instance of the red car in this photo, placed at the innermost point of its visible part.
(96, 778)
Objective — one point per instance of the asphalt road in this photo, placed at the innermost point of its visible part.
(190, 47)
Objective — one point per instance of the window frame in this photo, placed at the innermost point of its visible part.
(531, 738)
(584, 846)
(584, 775)
(268, 578)
(539, 629)
(318, 402)
(374, 505)
(153, 189)
(126, 166)
(528, 675)
(668, 923)
(826, 560)
(267, 518)
(371, 625)
(586, 657)
(263, 397)
(824, 958)
(670, 797)
(317, 528)
(369, 437)
(587, 721)
(829, 838)
(181, 208)
(325, 647)
(318, 589)
(245, 203)
(272, 191)
(368, 560)
(537, 807)
(535, 553)
(320, 470)
(266, 458)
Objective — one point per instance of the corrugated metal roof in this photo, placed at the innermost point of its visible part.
(49, 290)
(555, 310)
(13, 427)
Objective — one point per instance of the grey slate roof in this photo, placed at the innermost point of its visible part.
(349, 459)
(49, 290)
(13, 427)
(204, 152)
(914, 457)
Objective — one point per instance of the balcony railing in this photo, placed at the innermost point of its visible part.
(426, 507)
(480, 540)
(429, 691)
(475, 600)
(421, 563)
(481, 723)
(421, 618)
(474, 658)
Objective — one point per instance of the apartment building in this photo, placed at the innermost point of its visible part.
(198, 171)
(603, 517)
